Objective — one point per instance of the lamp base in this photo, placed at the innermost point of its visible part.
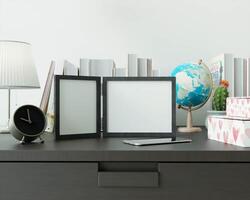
(189, 130)
(5, 129)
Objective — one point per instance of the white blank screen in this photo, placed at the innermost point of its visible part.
(139, 106)
(77, 107)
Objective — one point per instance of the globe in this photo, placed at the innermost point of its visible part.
(193, 85)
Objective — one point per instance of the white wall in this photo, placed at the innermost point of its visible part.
(169, 31)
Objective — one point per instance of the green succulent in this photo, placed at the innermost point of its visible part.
(220, 97)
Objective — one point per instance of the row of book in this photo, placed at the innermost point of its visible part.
(137, 67)
(141, 66)
(234, 69)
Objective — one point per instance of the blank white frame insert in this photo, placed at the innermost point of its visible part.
(139, 106)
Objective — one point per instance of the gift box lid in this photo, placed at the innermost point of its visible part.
(230, 117)
(247, 97)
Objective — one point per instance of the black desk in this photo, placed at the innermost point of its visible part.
(108, 169)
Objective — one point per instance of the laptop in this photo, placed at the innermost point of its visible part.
(156, 141)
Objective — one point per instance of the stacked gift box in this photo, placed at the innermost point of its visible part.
(234, 127)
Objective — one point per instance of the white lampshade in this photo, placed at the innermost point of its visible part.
(17, 68)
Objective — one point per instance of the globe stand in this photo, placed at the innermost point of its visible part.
(189, 127)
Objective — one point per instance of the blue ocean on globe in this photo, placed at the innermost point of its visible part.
(193, 84)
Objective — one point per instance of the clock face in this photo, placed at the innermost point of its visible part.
(30, 120)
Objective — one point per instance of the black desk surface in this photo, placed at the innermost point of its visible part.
(112, 149)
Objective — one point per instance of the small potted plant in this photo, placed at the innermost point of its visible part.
(219, 100)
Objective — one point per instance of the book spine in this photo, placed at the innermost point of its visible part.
(50, 112)
(120, 72)
(84, 67)
(244, 77)
(222, 67)
(113, 69)
(248, 77)
(228, 67)
(216, 68)
(92, 70)
(149, 67)
(132, 65)
(98, 67)
(155, 72)
(142, 67)
(238, 77)
(69, 69)
(47, 89)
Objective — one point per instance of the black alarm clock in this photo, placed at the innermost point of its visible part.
(28, 123)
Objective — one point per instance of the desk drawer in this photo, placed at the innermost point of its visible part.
(190, 181)
(48, 181)
(206, 181)
(79, 181)
(122, 181)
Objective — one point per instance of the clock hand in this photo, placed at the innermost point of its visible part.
(26, 120)
(28, 113)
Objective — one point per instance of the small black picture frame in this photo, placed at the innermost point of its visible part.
(168, 134)
(95, 90)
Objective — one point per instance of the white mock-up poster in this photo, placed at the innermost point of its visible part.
(77, 107)
(139, 106)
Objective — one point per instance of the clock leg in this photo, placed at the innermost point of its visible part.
(41, 139)
(22, 140)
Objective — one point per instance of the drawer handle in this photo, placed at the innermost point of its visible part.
(128, 179)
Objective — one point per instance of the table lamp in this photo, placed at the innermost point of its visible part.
(17, 68)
